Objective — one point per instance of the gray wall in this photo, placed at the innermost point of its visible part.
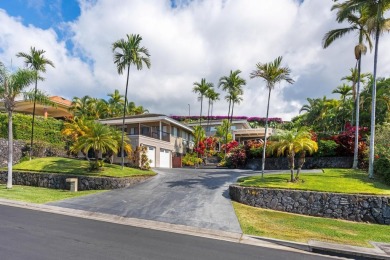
(18, 146)
(58, 181)
(281, 163)
(367, 208)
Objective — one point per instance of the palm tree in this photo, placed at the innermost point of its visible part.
(231, 83)
(80, 106)
(236, 98)
(116, 103)
(202, 88)
(290, 143)
(272, 73)
(37, 62)
(376, 24)
(344, 90)
(357, 20)
(97, 137)
(127, 53)
(212, 96)
(12, 85)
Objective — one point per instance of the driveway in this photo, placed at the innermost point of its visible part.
(192, 197)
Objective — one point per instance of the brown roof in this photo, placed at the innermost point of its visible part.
(61, 100)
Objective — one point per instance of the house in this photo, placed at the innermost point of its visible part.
(240, 129)
(163, 136)
(59, 110)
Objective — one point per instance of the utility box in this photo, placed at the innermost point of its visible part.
(73, 184)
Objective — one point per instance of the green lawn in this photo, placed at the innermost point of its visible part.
(332, 180)
(39, 195)
(78, 167)
(287, 226)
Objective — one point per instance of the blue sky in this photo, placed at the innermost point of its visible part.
(188, 40)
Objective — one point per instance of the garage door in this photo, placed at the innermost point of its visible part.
(165, 158)
(152, 156)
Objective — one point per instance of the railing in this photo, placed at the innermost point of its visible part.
(155, 134)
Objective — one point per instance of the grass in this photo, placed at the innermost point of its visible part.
(39, 195)
(293, 227)
(77, 167)
(332, 180)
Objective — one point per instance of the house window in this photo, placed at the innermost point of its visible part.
(133, 131)
(145, 130)
(174, 131)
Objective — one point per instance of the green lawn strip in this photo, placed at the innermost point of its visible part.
(77, 167)
(39, 195)
(332, 180)
(293, 227)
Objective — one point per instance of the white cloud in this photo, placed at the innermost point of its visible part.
(203, 39)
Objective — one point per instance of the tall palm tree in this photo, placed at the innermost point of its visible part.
(376, 24)
(231, 83)
(272, 73)
(126, 53)
(357, 19)
(80, 106)
(212, 96)
(235, 97)
(202, 88)
(36, 61)
(12, 85)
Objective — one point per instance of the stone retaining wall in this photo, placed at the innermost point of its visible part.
(281, 163)
(367, 208)
(58, 181)
(18, 147)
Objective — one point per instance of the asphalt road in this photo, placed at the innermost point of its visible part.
(28, 234)
(192, 197)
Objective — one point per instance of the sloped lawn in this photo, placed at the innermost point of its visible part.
(77, 167)
(331, 180)
(293, 227)
(39, 195)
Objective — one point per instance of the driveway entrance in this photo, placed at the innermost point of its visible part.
(192, 197)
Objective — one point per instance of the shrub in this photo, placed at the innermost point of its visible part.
(327, 148)
(382, 138)
(236, 158)
(191, 159)
(382, 168)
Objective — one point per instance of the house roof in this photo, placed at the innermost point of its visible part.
(143, 119)
(61, 108)
(219, 122)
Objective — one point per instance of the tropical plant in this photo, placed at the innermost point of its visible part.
(12, 85)
(116, 103)
(126, 53)
(212, 97)
(232, 84)
(357, 18)
(202, 88)
(289, 143)
(223, 131)
(344, 90)
(272, 73)
(199, 134)
(36, 61)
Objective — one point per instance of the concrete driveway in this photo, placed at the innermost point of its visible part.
(192, 197)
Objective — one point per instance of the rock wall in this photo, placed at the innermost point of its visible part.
(18, 147)
(367, 208)
(281, 163)
(58, 181)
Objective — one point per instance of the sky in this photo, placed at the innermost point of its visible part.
(188, 40)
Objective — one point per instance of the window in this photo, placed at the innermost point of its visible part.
(174, 131)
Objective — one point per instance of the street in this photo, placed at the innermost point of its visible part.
(29, 234)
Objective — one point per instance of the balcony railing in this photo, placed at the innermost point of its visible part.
(155, 134)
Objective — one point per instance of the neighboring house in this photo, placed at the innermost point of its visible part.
(164, 137)
(60, 110)
(240, 129)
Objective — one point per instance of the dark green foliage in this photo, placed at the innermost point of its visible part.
(326, 148)
(382, 169)
(236, 158)
(46, 130)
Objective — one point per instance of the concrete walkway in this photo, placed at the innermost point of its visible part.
(192, 197)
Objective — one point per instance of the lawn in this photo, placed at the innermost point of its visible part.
(77, 167)
(287, 226)
(332, 180)
(39, 195)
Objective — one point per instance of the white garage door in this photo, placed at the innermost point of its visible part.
(152, 156)
(165, 158)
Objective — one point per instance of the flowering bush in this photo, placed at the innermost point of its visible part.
(200, 148)
(254, 149)
(191, 159)
(346, 141)
(228, 147)
(236, 158)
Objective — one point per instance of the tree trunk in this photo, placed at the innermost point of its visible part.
(33, 117)
(373, 106)
(231, 117)
(10, 150)
(291, 162)
(201, 105)
(123, 123)
(355, 164)
(301, 161)
(265, 134)
(208, 116)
